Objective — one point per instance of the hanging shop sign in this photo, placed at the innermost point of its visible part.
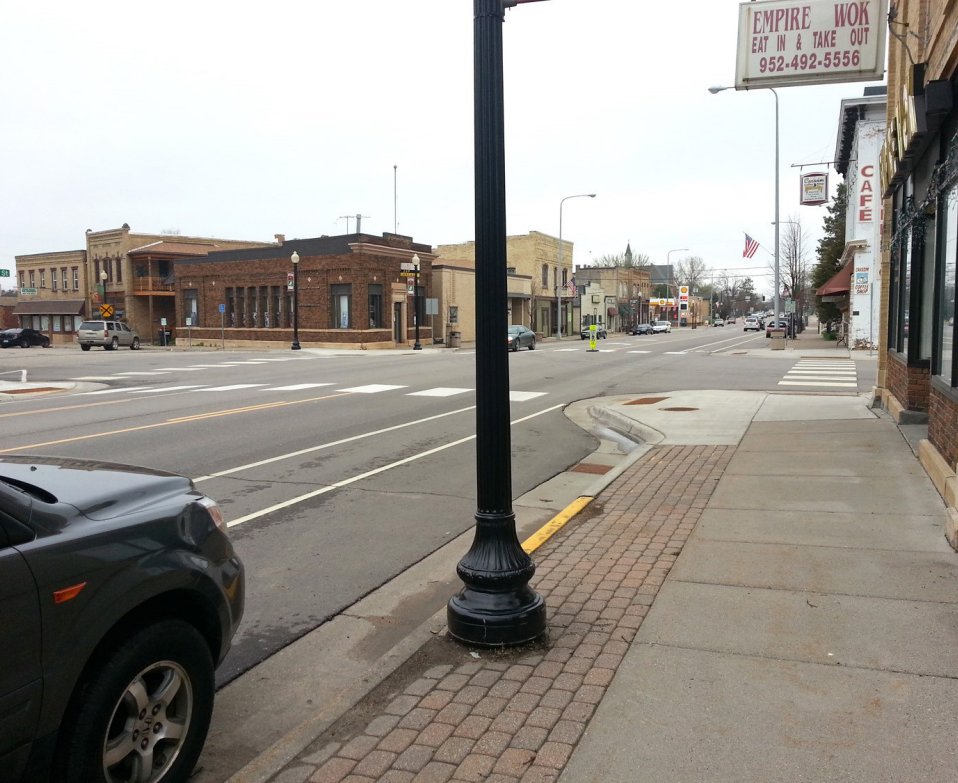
(785, 43)
(861, 280)
(289, 281)
(865, 206)
(813, 189)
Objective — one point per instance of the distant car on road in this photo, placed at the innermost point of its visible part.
(643, 329)
(730, 321)
(752, 324)
(600, 332)
(119, 594)
(718, 322)
(110, 334)
(520, 336)
(661, 326)
(23, 338)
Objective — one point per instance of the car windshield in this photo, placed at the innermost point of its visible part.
(661, 323)
(11, 331)
(513, 330)
(92, 325)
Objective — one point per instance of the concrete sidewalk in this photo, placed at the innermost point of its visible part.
(765, 595)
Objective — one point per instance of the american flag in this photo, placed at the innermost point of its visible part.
(572, 286)
(750, 247)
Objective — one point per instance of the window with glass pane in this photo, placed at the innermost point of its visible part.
(119, 270)
(23, 280)
(264, 306)
(949, 261)
(376, 317)
(254, 307)
(904, 305)
(191, 306)
(32, 285)
(545, 275)
(43, 278)
(276, 311)
(240, 319)
(76, 278)
(56, 323)
(53, 279)
(927, 257)
(289, 310)
(44, 323)
(230, 315)
(63, 277)
(340, 301)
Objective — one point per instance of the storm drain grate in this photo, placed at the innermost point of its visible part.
(598, 470)
(679, 410)
(32, 391)
(646, 401)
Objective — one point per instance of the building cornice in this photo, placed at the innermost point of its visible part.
(390, 252)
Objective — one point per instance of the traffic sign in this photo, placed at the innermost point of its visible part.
(406, 267)
(222, 308)
(4, 273)
(106, 310)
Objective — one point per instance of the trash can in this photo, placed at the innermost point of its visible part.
(778, 339)
(455, 339)
(163, 336)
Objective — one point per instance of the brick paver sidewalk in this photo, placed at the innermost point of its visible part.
(518, 715)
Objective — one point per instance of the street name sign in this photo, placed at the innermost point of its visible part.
(786, 43)
(407, 267)
(4, 273)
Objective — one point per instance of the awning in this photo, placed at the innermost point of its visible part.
(613, 311)
(50, 307)
(840, 282)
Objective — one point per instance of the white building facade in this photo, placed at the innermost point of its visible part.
(861, 131)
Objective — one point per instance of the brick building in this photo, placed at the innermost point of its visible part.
(629, 288)
(59, 289)
(918, 364)
(352, 293)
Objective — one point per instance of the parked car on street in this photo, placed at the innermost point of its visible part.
(600, 332)
(519, 336)
(752, 324)
(661, 326)
(643, 329)
(119, 594)
(782, 324)
(23, 338)
(110, 334)
(718, 322)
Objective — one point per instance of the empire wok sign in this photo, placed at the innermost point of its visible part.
(785, 43)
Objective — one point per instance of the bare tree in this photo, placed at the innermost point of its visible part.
(794, 267)
(692, 271)
(627, 260)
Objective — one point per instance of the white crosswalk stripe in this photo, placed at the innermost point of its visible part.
(373, 388)
(164, 389)
(822, 373)
(520, 396)
(441, 391)
(298, 387)
(233, 387)
(113, 391)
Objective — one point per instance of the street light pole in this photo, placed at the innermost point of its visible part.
(668, 263)
(778, 310)
(415, 302)
(496, 607)
(558, 297)
(295, 259)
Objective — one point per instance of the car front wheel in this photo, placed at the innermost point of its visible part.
(143, 712)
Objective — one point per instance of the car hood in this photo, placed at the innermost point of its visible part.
(98, 490)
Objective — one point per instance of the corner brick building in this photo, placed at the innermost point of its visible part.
(352, 293)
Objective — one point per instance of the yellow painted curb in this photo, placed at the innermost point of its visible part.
(555, 524)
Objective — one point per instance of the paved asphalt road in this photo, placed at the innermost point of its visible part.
(301, 450)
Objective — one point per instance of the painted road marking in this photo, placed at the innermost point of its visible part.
(334, 443)
(554, 525)
(638, 351)
(441, 391)
(234, 387)
(298, 387)
(114, 391)
(95, 378)
(166, 389)
(675, 353)
(236, 364)
(521, 396)
(561, 350)
(142, 373)
(607, 350)
(346, 482)
(182, 369)
(373, 388)
(817, 383)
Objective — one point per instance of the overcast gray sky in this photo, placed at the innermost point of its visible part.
(243, 120)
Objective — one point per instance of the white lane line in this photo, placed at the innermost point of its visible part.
(311, 449)
(368, 474)
(236, 364)
(817, 383)
(441, 391)
(563, 350)
(465, 353)
(166, 389)
(298, 387)
(233, 387)
(290, 359)
(182, 369)
(675, 353)
(141, 373)
(608, 350)
(95, 378)
(373, 388)
(112, 391)
(521, 396)
(638, 351)
(204, 366)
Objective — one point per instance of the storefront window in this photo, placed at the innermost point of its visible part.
(275, 307)
(949, 260)
(44, 323)
(927, 256)
(376, 317)
(56, 323)
(253, 307)
(191, 306)
(264, 304)
(905, 306)
(341, 300)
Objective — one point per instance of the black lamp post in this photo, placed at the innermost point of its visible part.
(295, 259)
(415, 302)
(496, 607)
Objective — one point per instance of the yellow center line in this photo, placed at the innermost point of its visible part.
(169, 422)
(63, 408)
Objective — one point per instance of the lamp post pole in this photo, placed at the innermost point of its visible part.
(496, 607)
(559, 274)
(415, 302)
(668, 263)
(295, 259)
(778, 310)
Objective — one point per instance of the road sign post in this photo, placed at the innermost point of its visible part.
(223, 324)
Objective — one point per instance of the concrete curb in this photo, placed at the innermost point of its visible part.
(635, 430)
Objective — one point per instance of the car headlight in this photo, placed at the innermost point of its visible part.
(215, 514)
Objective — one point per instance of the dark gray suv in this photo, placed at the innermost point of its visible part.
(119, 594)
